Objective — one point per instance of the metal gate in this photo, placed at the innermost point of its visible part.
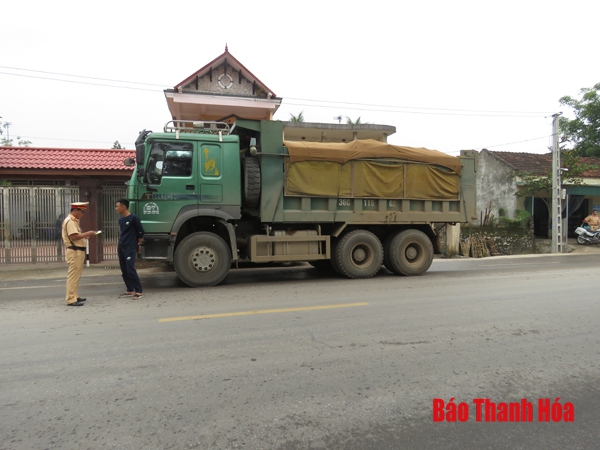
(31, 220)
(109, 220)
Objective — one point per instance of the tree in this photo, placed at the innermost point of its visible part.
(117, 145)
(350, 122)
(298, 118)
(7, 141)
(582, 133)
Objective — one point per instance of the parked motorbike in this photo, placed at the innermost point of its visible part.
(587, 237)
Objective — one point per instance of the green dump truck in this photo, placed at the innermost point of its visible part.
(210, 194)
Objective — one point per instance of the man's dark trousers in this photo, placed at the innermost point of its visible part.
(127, 262)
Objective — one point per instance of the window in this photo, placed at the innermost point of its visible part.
(169, 159)
(178, 163)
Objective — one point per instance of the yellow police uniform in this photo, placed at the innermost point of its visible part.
(75, 254)
(593, 221)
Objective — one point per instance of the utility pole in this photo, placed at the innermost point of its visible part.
(557, 228)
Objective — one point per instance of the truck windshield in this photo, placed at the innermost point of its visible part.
(169, 159)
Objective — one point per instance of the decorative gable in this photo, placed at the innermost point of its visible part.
(227, 80)
(222, 88)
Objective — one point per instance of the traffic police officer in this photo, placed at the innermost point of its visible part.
(75, 241)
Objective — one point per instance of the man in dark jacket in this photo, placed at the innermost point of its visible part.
(130, 241)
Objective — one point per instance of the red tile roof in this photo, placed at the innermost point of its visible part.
(64, 158)
(541, 164)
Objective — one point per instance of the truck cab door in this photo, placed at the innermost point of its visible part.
(219, 177)
(170, 182)
(211, 174)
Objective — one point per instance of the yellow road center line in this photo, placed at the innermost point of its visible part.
(263, 311)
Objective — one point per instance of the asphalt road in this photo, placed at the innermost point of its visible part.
(287, 358)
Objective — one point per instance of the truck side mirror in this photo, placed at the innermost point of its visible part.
(129, 162)
(140, 152)
(140, 146)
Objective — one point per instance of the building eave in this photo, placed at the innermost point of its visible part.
(193, 106)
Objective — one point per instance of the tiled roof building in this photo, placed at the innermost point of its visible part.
(497, 185)
(540, 164)
(62, 161)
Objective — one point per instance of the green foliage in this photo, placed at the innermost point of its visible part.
(521, 220)
(5, 141)
(117, 145)
(5, 183)
(298, 118)
(582, 134)
(358, 121)
(8, 141)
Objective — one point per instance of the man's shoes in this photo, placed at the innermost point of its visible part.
(137, 296)
(126, 295)
(80, 299)
(78, 303)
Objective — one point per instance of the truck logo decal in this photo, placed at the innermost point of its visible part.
(210, 164)
(151, 208)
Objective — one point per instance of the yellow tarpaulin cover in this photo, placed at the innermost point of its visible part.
(367, 149)
(370, 179)
(430, 182)
(335, 170)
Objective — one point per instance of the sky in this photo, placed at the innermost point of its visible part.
(449, 75)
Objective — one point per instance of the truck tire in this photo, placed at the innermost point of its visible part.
(357, 254)
(409, 252)
(202, 259)
(386, 253)
(251, 182)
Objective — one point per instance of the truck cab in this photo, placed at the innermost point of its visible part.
(186, 179)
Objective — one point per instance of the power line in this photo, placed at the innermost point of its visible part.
(518, 142)
(448, 113)
(326, 103)
(417, 107)
(81, 76)
(331, 104)
(508, 143)
(80, 82)
(73, 140)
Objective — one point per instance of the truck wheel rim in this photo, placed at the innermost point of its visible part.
(203, 259)
(412, 253)
(362, 256)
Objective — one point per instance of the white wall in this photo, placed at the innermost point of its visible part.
(496, 184)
